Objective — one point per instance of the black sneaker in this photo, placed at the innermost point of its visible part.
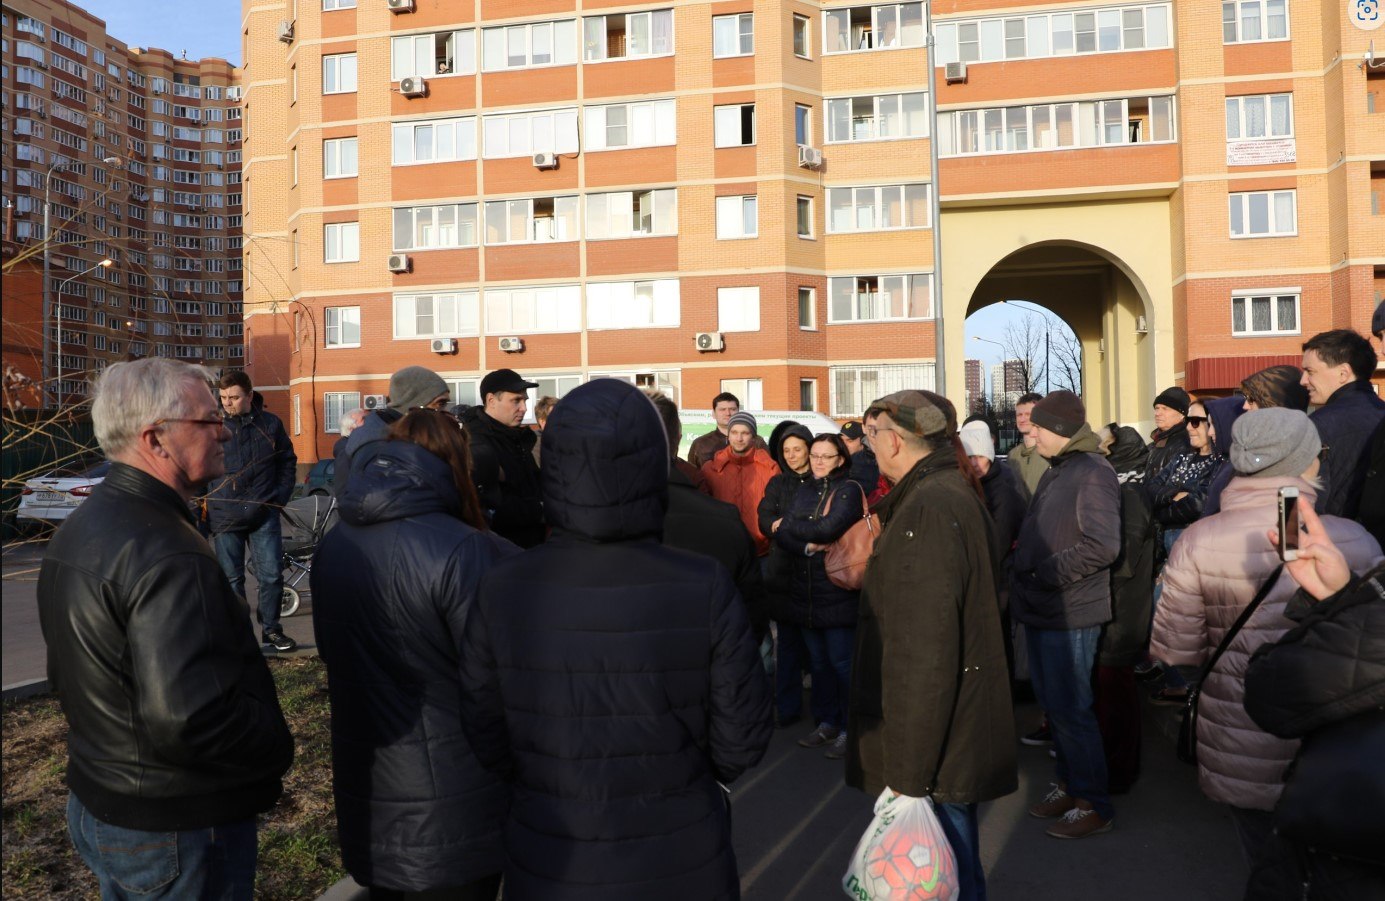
(1038, 738)
(279, 640)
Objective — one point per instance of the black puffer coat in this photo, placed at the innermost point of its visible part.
(261, 470)
(779, 494)
(392, 584)
(506, 476)
(612, 679)
(814, 601)
(1125, 639)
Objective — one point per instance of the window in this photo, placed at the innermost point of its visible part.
(877, 118)
(532, 310)
(855, 387)
(877, 208)
(449, 315)
(341, 242)
(733, 35)
(435, 227)
(1259, 214)
(737, 217)
(807, 308)
(1056, 126)
(1259, 116)
(293, 166)
(802, 124)
(523, 134)
(801, 30)
(733, 126)
(805, 216)
(647, 304)
(342, 326)
(879, 298)
(530, 45)
(887, 27)
(750, 391)
(807, 394)
(335, 405)
(1245, 21)
(738, 310)
(339, 73)
(433, 55)
(627, 36)
(329, 5)
(1054, 34)
(537, 219)
(339, 158)
(648, 124)
(1267, 312)
(298, 414)
(632, 214)
(434, 141)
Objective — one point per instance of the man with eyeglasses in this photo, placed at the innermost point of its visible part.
(176, 739)
(243, 506)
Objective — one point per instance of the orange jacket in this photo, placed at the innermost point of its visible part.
(741, 480)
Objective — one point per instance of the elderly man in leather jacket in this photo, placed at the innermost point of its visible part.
(176, 737)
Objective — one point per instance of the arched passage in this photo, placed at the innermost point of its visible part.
(1103, 268)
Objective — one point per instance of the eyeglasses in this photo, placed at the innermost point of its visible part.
(873, 430)
(823, 457)
(1196, 422)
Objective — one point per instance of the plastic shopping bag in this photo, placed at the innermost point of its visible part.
(903, 855)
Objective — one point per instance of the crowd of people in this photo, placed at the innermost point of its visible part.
(550, 651)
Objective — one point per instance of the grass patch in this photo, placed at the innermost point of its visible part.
(299, 858)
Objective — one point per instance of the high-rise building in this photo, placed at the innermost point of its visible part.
(703, 196)
(138, 155)
(1007, 383)
(976, 388)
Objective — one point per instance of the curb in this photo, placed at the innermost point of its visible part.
(346, 890)
(27, 689)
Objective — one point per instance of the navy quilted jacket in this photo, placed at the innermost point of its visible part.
(612, 680)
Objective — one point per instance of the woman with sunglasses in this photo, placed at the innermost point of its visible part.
(821, 511)
(1177, 491)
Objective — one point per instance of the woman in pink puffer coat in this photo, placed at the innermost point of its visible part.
(1214, 571)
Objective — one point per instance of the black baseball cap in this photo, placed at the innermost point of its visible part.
(853, 430)
(504, 380)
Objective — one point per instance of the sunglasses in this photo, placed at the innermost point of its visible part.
(1196, 422)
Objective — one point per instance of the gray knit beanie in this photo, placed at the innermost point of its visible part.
(976, 440)
(1274, 442)
(415, 386)
(743, 418)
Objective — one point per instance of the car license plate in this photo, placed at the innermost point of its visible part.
(49, 497)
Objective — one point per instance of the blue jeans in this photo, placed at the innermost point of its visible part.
(829, 658)
(1060, 662)
(792, 657)
(267, 552)
(960, 826)
(212, 864)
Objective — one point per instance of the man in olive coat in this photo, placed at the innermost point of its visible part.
(930, 707)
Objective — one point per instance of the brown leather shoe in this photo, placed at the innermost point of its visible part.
(1079, 822)
(1056, 803)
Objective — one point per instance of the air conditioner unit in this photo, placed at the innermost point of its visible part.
(810, 157)
(545, 161)
(443, 346)
(954, 73)
(400, 262)
(42, 114)
(413, 86)
(373, 402)
(286, 31)
(400, 6)
(710, 341)
(512, 345)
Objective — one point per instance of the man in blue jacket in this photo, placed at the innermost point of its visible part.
(1337, 368)
(243, 505)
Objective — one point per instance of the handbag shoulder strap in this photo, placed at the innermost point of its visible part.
(1241, 620)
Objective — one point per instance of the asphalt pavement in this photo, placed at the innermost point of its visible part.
(796, 823)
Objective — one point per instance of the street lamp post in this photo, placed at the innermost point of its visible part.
(104, 264)
(46, 368)
(1048, 328)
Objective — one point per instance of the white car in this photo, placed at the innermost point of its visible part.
(50, 498)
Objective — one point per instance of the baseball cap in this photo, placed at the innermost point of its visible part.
(853, 430)
(504, 380)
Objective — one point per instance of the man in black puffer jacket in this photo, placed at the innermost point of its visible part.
(502, 458)
(613, 680)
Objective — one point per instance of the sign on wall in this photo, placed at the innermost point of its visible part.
(1261, 153)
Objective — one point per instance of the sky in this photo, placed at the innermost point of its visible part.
(990, 322)
(201, 27)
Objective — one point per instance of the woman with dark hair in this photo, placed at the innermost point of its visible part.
(788, 444)
(821, 511)
(392, 585)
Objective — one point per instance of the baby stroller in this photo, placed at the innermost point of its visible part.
(304, 521)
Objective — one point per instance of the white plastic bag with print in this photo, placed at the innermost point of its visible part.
(903, 855)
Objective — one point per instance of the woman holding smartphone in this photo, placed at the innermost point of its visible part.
(1215, 571)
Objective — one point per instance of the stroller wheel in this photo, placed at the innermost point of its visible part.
(289, 605)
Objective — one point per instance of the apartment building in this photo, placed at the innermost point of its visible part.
(737, 196)
(138, 154)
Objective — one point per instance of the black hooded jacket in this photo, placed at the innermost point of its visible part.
(1165, 445)
(1125, 638)
(611, 679)
(773, 506)
(1223, 412)
(392, 585)
(506, 477)
(814, 600)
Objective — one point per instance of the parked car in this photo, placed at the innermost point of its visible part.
(51, 497)
(318, 481)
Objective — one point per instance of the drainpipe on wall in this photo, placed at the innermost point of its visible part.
(940, 354)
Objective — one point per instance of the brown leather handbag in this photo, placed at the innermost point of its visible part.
(846, 557)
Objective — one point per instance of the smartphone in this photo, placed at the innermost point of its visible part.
(1288, 524)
